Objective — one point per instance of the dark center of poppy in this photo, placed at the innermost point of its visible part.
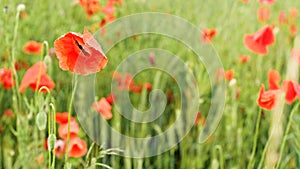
(81, 48)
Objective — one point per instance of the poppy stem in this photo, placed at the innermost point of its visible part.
(255, 139)
(286, 135)
(69, 119)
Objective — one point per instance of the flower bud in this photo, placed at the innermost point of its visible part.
(41, 120)
(51, 142)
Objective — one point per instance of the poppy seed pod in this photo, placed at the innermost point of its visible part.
(51, 142)
(41, 120)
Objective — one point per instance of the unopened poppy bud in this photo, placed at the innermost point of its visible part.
(68, 166)
(51, 142)
(41, 120)
(21, 7)
(47, 60)
(215, 164)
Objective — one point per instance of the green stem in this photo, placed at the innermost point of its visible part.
(255, 139)
(286, 135)
(69, 119)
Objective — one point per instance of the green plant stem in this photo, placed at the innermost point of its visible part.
(69, 119)
(286, 134)
(255, 139)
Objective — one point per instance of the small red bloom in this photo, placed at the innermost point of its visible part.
(81, 54)
(91, 7)
(267, 99)
(77, 147)
(6, 78)
(282, 17)
(63, 130)
(104, 108)
(293, 12)
(208, 35)
(36, 75)
(273, 78)
(259, 41)
(292, 90)
(60, 147)
(263, 14)
(109, 8)
(33, 47)
(244, 58)
(8, 113)
(62, 118)
(229, 74)
(293, 30)
(148, 86)
(268, 2)
(111, 98)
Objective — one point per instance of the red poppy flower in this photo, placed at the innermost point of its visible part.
(293, 12)
(91, 7)
(296, 55)
(148, 86)
(259, 41)
(33, 47)
(77, 147)
(109, 8)
(263, 14)
(267, 99)
(21, 65)
(81, 54)
(36, 75)
(244, 58)
(199, 119)
(104, 108)
(62, 118)
(40, 158)
(274, 79)
(60, 147)
(111, 99)
(6, 78)
(208, 35)
(292, 90)
(282, 17)
(229, 74)
(293, 30)
(63, 130)
(8, 113)
(269, 2)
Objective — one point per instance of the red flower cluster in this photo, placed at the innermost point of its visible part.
(91, 7)
(36, 77)
(208, 35)
(6, 78)
(77, 147)
(268, 99)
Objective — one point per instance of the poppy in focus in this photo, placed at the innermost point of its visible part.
(36, 77)
(33, 47)
(81, 54)
(259, 41)
(267, 99)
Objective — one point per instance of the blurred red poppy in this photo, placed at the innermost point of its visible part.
(111, 98)
(109, 8)
(91, 7)
(208, 35)
(62, 118)
(267, 99)
(36, 77)
(81, 54)
(8, 113)
(273, 78)
(269, 2)
(63, 130)
(33, 47)
(292, 90)
(229, 74)
(293, 12)
(6, 78)
(60, 147)
(104, 108)
(293, 30)
(77, 147)
(259, 41)
(282, 17)
(244, 58)
(148, 86)
(263, 14)
(199, 119)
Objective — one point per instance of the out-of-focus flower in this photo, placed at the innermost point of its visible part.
(62, 118)
(36, 77)
(8, 113)
(268, 2)
(273, 79)
(111, 98)
(199, 119)
(293, 30)
(229, 74)
(63, 130)
(263, 14)
(91, 7)
(292, 90)
(259, 41)
(293, 12)
(244, 58)
(6, 78)
(104, 108)
(77, 147)
(33, 47)
(282, 17)
(40, 159)
(296, 55)
(208, 35)
(60, 147)
(81, 54)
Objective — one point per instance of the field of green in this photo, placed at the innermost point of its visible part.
(257, 42)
